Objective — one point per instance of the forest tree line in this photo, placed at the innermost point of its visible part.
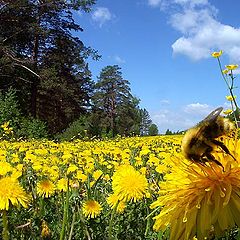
(46, 86)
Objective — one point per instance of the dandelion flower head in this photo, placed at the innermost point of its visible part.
(113, 201)
(198, 200)
(91, 208)
(217, 54)
(129, 184)
(45, 188)
(12, 192)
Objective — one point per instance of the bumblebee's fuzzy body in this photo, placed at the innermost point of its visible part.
(199, 142)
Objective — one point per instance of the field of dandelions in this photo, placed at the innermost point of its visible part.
(126, 188)
(82, 189)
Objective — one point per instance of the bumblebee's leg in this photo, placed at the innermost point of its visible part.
(207, 156)
(210, 157)
(223, 147)
(197, 159)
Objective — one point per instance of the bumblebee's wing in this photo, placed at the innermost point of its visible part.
(202, 125)
(213, 115)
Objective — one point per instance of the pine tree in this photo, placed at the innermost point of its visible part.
(145, 122)
(40, 57)
(113, 102)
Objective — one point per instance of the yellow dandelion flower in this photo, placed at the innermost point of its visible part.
(72, 168)
(201, 201)
(45, 188)
(113, 200)
(106, 177)
(143, 170)
(230, 98)
(97, 174)
(231, 66)
(12, 192)
(5, 125)
(162, 168)
(91, 208)
(129, 184)
(217, 54)
(228, 111)
(81, 176)
(5, 168)
(62, 184)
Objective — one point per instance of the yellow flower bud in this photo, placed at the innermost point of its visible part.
(45, 233)
(225, 71)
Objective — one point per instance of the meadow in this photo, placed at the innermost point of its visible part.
(70, 190)
(122, 188)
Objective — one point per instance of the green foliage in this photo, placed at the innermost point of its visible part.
(153, 130)
(76, 130)
(22, 127)
(32, 128)
(145, 122)
(168, 132)
(45, 62)
(235, 116)
(114, 105)
(41, 57)
(9, 108)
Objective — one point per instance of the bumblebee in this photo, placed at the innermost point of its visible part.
(200, 141)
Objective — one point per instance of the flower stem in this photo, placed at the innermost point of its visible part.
(110, 237)
(5, 232)
(148, 221)
(230, 87)
(72, 226)
(224, 78)
(84, 225)
(65, 214)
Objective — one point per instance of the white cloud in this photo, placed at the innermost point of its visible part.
(227, 105)
(154, 3)
(201, 32)
(164, 102)
(197, 109)
(181, 119)
(101, 15)
(175, 121)
(191, 3)
(119, 60)
(184, 3)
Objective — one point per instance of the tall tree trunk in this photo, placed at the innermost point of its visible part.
(35, 66)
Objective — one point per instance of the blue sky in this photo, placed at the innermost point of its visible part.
(164, 49)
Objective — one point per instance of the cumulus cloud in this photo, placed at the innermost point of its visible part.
(181, 119)
(197, 109)
(201, 31)
(101, 15)
(173, 120)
